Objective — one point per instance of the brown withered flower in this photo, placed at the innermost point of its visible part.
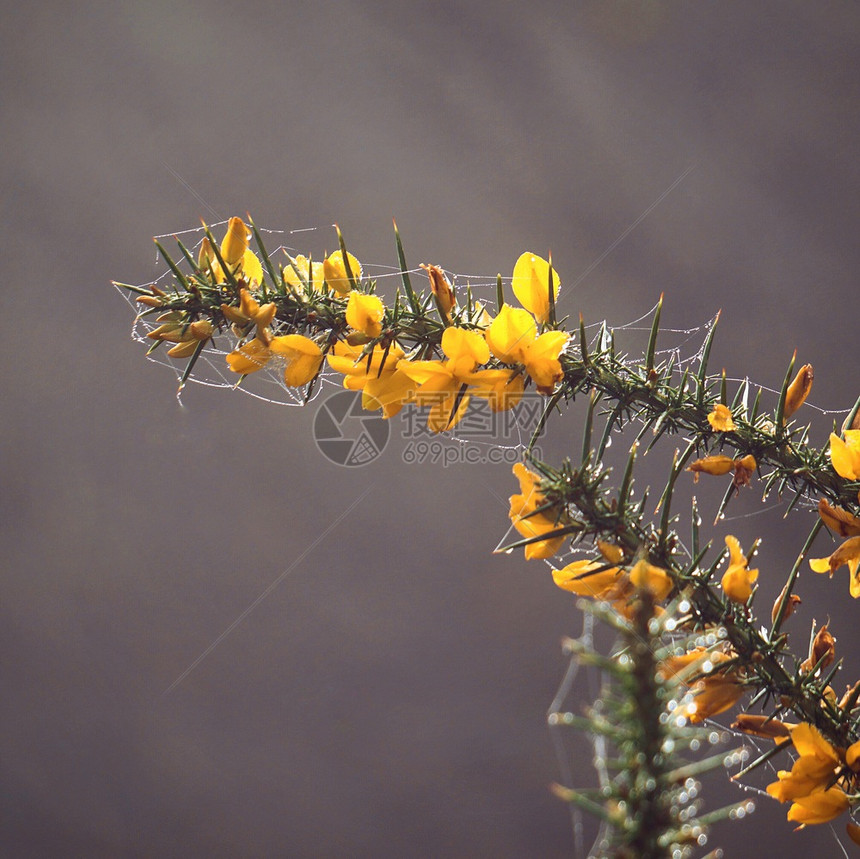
(822, 650)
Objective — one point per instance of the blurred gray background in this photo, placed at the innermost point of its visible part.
(387, 697)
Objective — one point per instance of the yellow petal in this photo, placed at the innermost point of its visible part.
(737, 583)
(183, 350)
(712, 465)
(798, 390)
(737, 557)
(810, 742)
(821, 806)
(465, 349)
(647, 576)
(503, 389)
(303, 358)
(510, 334)
(538, 524)
(300, 270)
(579, 579)
(845, 455)
(720, 419)
(531, 284)
(442, 416)
(251, 269)
(253, 356)
(838, 520)
(206, 256)
(235, 242)
(336, 275)
(389, 392)
(425, 371)
(612, 553)
(714, 695)
(541, 358)
(820, 565)
(365, 313)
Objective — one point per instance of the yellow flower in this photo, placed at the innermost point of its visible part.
(336, 275)
(737, 581)
(610, 552)
(440, 382)
(512, 338)
(714, 694)
(365, 313)
(848, 553)
(820, 806)
(838, 520)
(249, 310)
(845, 455)
(238, 257)
(535, 524)
(647, 576)
(383, 385)
(502, 389)
(720, 419)
(303, 357)
(813, 769)
(700, 658)
(593, 579)
(531, 284)
(186, 335)
(579, 578)
(249, 357)
(798, 391)
(300, 270)
(441, 289)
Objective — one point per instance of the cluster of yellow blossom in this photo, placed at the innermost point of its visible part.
(816, 784)
(845, 458)
(534, 516)
(494, 358)
(613, 584)
(486, 358)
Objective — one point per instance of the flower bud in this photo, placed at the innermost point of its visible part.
(711, 465)
(149, 300)
(441, 289)
(760, 726)
(235, 242)
(798, 391)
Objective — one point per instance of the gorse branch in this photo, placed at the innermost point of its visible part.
(690, 646)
